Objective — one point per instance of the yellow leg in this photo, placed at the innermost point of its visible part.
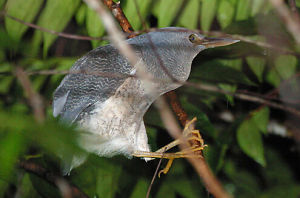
(167, 168)
(190, 135)
(162, 155)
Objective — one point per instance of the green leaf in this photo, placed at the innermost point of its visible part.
(250, 141)
(167, 10)
(132, 15)
(5, 80)
(256, 6)
(208, 11)
(183, 187)
(55, 16)
(107, 180)
(11, 145)
(2, 3)
(233, 63)
(98, 177)
(94, 26)
(243, 11)
(165, 191)
(187, 18)
(257, 65)
(216, 71)
(140, 189)
(203, 121)
(81, 14)
(23, 10)
(278, 171)
(215, 156)
(27, 188)
(291, 190)
(244, 181)
(273, 77)
(53, 137)
(229, 88)
(286, 65)
(225, 12)
(261, 119)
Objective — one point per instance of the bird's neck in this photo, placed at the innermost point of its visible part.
(134, 97)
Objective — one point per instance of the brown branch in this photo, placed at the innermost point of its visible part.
(67, 189)
(294, 8)
(177, 108)
(125, 25)
(179, 111)
(35, 100)
(120, 16)
(211, 182)
(289, 19)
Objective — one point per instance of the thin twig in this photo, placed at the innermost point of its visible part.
(61, 34)
(35, 100)
(131, 34)
(246, 97)
(118, 39)
(217, 187)
(154, 176)
(143, 22)
(67, 189)
(86, 72)
(179, 111)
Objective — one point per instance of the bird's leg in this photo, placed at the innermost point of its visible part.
(189, 136)
(192, 136)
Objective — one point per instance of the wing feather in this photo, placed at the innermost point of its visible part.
(79, 91)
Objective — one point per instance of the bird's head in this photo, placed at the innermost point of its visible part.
(168, 53)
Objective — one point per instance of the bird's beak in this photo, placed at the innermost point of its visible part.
(209, 42)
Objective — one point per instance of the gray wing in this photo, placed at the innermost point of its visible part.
(79, 91)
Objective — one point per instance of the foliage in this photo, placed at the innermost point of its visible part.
(245, 149)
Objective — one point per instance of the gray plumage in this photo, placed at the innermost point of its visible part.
(111, 108)
(83, 90)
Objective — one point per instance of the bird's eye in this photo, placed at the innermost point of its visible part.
(193, 38)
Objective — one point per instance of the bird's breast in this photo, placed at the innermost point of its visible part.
(120, 115)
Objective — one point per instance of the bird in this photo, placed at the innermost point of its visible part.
(110, 107)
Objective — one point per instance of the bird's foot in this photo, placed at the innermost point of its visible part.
(190, 135)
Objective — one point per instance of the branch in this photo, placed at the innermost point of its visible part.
(294, 8)
(179, 111)
(131, 34)
(118, 39)
(177, 108)
(61, 34)
(120, 16)
(246, 97)
(199, 164)
(211, 183)
(290, 20)
(68, 190)
(34, 98)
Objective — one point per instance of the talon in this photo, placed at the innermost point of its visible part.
(189, 123)
(167, 168)
(189, 134)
